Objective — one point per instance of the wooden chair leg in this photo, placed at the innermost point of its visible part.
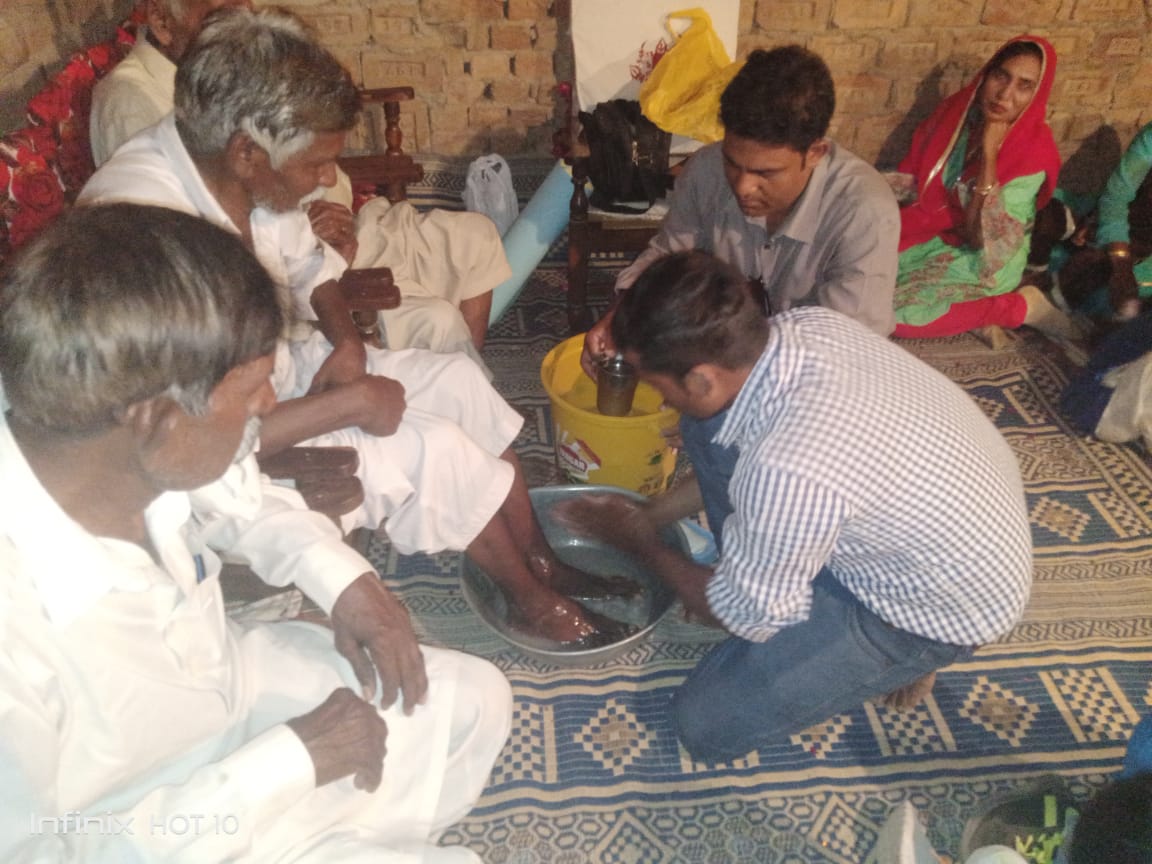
(579, 318)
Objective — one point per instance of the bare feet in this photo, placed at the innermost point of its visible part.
(910, 695)
(993, 336)
(573, 582)
(1044, 316)
(569, 623)
(1128, 309)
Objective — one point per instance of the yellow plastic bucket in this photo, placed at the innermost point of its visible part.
(590, 447)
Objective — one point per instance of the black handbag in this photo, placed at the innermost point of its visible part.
(628, 156)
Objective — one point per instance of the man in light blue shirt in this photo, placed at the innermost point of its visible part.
(878, 531)
(805, 220)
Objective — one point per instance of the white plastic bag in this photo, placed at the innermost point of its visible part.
(488, 190)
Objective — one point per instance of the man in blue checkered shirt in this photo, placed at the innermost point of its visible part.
(879, 530)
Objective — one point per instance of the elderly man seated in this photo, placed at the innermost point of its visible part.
(138, 722)
(445, 264)
(261, 115)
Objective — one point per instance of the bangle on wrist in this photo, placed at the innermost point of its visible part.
(1120, 252)
(985, 191)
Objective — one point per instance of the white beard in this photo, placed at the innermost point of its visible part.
(315, 195)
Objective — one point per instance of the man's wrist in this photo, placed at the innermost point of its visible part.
(348, 405)
(351, 343)
(645, 540)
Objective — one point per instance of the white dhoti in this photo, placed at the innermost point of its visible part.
(438, 480)
(437, 763)
(438, 260)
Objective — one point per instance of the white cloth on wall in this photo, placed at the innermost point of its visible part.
(613, 42)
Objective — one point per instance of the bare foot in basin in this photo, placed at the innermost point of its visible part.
(568, 623)
(579, 584)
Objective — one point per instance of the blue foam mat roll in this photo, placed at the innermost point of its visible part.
(528, 238)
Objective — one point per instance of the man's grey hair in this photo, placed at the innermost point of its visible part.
(121, 303)
(263, 74)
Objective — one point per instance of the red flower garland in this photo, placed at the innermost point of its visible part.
(44, 164)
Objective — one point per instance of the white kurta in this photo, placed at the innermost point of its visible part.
(439, 479)
(137, 723)
(438, 259)
(135, 94)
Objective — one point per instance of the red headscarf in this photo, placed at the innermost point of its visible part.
(1028, 148)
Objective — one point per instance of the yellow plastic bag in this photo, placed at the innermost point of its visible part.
(682, 95)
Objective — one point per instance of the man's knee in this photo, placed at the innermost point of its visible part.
(484, 684)
(476, 225)
(695, 730)
(428, 322)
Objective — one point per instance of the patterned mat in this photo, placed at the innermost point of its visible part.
(593, 774)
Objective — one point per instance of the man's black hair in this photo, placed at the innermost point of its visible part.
(690, 308)
(783, 97)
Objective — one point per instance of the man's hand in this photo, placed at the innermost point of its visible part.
(597, 344)
(615, 519)
(374, 633)
(344, 365)
(628, 525)
(672, 436)
(381, 404)
(345, 735)
(335, 225)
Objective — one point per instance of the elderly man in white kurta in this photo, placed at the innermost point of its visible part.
(433, 435)
(445, 264)
(137, 722)
(453, 416)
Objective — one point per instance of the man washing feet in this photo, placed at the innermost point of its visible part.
(878, 530)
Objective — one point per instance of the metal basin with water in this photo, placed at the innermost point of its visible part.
(592, 556)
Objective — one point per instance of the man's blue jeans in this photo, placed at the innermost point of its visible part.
(714, 466)
(744, 695)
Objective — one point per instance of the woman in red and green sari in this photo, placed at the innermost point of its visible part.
(978, 170)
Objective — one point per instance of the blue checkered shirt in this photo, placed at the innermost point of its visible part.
(858, 457)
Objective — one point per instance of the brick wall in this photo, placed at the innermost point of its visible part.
(485, 70)
(893, 60)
